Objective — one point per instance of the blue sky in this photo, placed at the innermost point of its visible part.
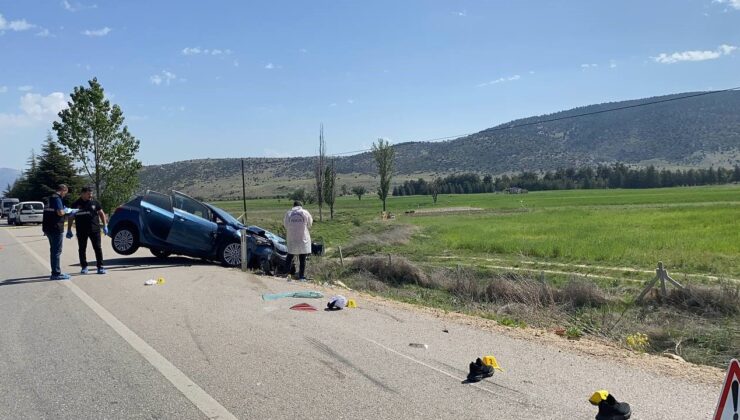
(247, 79)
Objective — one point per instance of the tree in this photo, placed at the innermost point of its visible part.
(93, 133)
(434, 188)
(330, 187)
(384, 153)
(319, 171)
(359, 191)
(54, 168)
(345, 189)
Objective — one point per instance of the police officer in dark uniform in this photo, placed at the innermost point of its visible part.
(53, 227)
(87, 221)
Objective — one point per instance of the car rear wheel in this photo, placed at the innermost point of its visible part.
(125, 240)
(160, 253)
(231, 254)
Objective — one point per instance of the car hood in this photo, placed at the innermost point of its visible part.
(277, 241)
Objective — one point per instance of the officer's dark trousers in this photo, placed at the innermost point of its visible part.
(94, 237)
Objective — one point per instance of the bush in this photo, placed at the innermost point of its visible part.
(580, 293)
(393, 270)
(707, 301)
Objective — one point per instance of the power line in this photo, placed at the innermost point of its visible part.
(509, 127)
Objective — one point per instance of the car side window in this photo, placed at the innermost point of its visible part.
(191, 206)
(160, 200)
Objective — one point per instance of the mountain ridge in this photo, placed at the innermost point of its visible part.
(700, 131)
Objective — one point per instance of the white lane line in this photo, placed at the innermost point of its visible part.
(205, 403)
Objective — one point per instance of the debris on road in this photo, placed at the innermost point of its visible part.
(419, 345)
(152, 282)
(302, 294)
(303, 307)
(609, 407)
(336, 303)
(491, 361)
(479, 371)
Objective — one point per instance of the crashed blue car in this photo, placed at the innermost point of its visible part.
(177, 224)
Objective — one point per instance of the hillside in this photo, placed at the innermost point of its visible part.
(695, 132)
(7, 177)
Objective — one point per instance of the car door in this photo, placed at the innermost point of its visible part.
(157, 216)
(193, 228)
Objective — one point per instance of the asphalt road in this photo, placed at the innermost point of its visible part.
(205, 345)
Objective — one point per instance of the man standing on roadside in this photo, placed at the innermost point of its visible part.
(53, 227)
(297, 222)
(87, 220)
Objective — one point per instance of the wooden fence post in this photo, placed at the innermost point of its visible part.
(660, 275)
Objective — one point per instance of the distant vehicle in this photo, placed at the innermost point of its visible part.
(5, 205)
(178, 224)
(12, 214)
(29, 212)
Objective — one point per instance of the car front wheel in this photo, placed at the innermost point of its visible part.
(231, 254)
(125, 240)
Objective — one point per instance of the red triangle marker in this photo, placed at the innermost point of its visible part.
(727, 406)
(303, 307)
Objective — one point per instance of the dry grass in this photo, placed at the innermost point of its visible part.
(707, 301)
(369, 243)
(698, 323)
(393, 270)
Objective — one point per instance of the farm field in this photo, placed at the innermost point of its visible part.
(606, 233)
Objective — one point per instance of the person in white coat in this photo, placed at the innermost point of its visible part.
(297, 222)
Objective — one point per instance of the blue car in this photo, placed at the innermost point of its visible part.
(179, 224)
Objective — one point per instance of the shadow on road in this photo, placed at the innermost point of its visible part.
(145, 263)
(24, 280)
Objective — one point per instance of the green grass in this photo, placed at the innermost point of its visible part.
(692, 230)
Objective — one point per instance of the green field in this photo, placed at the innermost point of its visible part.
(694, 231)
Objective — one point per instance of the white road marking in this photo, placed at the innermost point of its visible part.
(205, 403)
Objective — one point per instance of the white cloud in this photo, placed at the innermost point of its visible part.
(3, 89)
(589, 66)
(612, 64)
(25, 88)
(14, 25)
(333, 104)
(350, 101)
(165, 77)
(191, 51)
(462, 13)
(695, 55)
(269, 66)
(76, 6)
(97, 32)
(236, 63)
(500, 80)
(44, 33)
(204, 51)
(35, 109)
(733, 3)
(531, 72)
(303, 51)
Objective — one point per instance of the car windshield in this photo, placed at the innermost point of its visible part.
(224, 215)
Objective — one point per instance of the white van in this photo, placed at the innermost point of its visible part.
(5, 205)
(29, 212)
